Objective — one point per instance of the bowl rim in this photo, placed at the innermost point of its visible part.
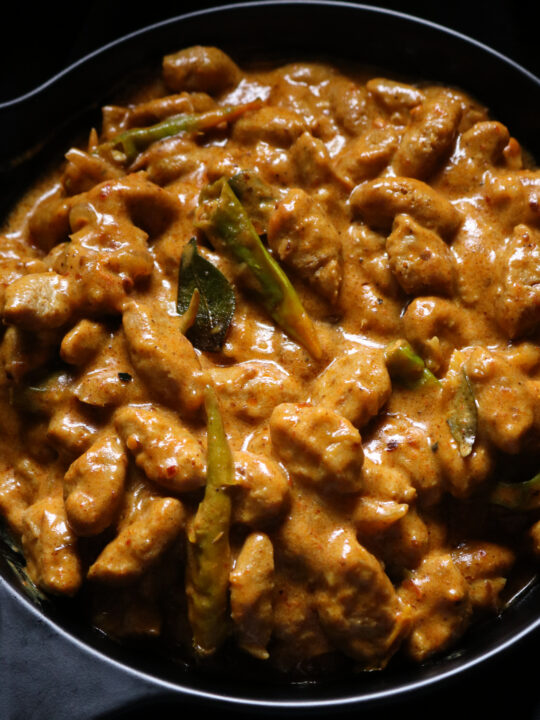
(256, 4)
(177, 689)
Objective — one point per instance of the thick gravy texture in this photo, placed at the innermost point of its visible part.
(377, 400)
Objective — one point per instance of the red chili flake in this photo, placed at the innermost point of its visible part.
(411, 585)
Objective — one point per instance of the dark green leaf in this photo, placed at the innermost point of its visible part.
(216, 299)
(463, 419)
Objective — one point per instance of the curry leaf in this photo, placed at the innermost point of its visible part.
(463, 419)
(216, 299)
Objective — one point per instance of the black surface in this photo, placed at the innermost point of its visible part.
(40, 38)
(44, 676)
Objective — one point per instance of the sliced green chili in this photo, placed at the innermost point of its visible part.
(209, 554)
(407, 367)
(131, 142)
(226, 223)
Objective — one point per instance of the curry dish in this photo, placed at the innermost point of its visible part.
(270, 376)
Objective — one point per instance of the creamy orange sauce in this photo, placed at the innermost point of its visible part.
(359, 525)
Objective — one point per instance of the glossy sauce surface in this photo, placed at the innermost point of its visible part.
(361, 523)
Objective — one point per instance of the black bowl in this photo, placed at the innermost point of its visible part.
(90, 666)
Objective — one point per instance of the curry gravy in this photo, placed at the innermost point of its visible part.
(365, 517)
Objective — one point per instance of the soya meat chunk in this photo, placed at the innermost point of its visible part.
(163, 357)
(140, 543)
(94, 485)
(355, 385)
(50, 547)
(377, 202)
(162, 446)
(200, 69)
(261, 490)
(318, 446)
(420, 260)
(304, 239)
(430, 136)
(252, 586)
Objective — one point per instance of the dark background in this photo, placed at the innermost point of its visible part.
(39, 39)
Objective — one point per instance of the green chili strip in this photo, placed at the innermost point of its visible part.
(209, 555)
(133, 141)
(224, 220)
(518, 496)
(406, 367)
